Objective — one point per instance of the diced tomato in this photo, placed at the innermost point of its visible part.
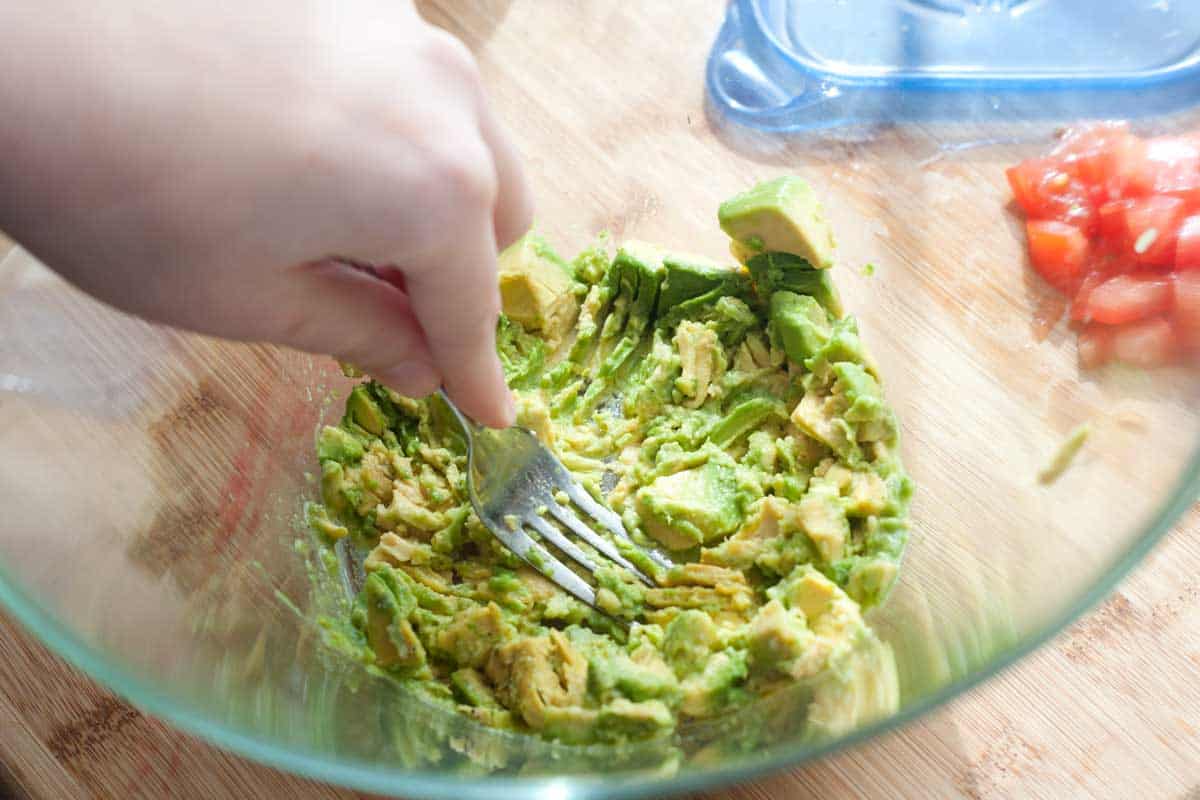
(1026, 180)
(1088, 154)
(1147, 343)
(1152, 229)
(1187, 309)
(1126, 164)
(1187, 244)
(1079, 306)
(1058, 251)
(1112, 229)
(1095, 346)
(1128, 298)
(1113, 221)
(1045, 190)
(1169, 164)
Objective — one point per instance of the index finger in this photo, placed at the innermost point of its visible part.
(456, 299)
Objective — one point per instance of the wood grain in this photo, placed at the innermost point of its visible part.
(605, 100)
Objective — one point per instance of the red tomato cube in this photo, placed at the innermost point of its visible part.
(1147, 343)
(1187, 244)
(1058, 251)
(1128, 298)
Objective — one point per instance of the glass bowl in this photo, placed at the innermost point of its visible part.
(152, 480)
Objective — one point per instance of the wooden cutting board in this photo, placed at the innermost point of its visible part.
(1110, 709)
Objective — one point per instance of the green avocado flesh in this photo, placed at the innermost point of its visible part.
(728, 413)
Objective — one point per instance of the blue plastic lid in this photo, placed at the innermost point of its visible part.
(807, 64)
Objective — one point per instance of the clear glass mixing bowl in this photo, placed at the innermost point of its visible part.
(152, 481)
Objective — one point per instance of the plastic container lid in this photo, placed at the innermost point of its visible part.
(790, 65)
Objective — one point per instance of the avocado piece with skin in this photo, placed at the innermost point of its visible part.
(799, 324)
(690, 277)
(744, 418)
(780, 216)
(639, 270)
(694, 506)
(366, 411)
(536, 288)
(775, 272)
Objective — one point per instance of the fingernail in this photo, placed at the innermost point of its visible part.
(509, 409)
(410, 378)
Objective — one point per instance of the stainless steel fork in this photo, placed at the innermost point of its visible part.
(513, 480)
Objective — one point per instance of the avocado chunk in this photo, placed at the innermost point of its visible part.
(702, 362)
(799, 324)
(780, 216)
(779, 640)
(638, 270)
(694, 506)
(619, 721)
(688, 641)
(641, 267)
(773, 272)
(522, 355)
(692, 281)
(338, 444)
(366, 411)
(536, 288)
(389, 604)
(865, 406)
(471, 688)
(743, 418)
(717, 686)
(470, 638)
(824, 519)
(535, 674)
(318, 519)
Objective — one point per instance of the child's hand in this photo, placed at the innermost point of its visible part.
(206, 164)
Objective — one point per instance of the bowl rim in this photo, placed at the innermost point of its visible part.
(151, 698)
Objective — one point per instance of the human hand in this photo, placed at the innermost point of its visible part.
(216, 167)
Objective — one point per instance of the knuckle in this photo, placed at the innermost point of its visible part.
(468, 179)
(449, 53)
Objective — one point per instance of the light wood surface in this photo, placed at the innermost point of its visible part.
(606, 101)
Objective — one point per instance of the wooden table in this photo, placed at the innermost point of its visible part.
(1109, 709)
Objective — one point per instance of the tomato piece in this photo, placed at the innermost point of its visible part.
(1058, 251)
(1045, 190)
(1088, 153)
(1146, 343)
(1152, 229)
(1095, 346)
(1187, 244)
(1026, 180)
(1169, 164)
(1111, 227)
(1079, 305)
(1128, 298)
(1187, 309)
(1126, 163)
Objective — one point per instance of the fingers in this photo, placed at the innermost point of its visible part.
(456, 300)
(332, 308)
(512, 213)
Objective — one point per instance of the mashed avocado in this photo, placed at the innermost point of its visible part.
(732, 418)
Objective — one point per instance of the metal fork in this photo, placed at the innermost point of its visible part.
(512, 479)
